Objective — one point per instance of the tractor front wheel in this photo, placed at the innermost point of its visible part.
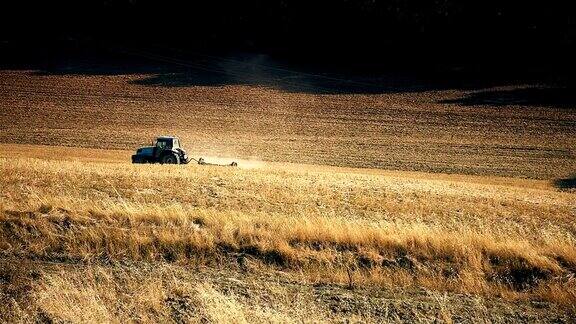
(171, 159)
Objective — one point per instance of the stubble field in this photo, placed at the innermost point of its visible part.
(86, 236)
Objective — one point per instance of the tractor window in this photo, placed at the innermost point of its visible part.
(161, 144)
(175, 143)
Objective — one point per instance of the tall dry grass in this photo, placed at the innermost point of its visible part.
(169, 293)
(442, 234)
(120, 294)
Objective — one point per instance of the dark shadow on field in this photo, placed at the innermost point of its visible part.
(566, 184)
(560, 97)
(157, 68)
(317, 81)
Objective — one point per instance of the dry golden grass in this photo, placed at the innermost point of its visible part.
(486, 236)
(87, 298)
(165, 293)
(172, 293)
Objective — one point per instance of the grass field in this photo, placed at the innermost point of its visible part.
(494, 238)
(403, 204)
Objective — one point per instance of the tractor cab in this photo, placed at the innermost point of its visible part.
(163, 143)
(166, 142)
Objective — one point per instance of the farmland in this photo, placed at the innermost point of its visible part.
(402, 204)
(489, 237)
(494, 131)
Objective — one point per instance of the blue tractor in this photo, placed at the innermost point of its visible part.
(165, 150)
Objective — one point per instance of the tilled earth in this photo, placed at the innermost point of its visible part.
(230, 108)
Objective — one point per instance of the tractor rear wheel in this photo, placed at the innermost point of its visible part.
(171, 159)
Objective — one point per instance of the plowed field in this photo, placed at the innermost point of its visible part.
(436, 130)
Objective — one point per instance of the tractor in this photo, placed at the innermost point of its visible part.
(167, 150)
